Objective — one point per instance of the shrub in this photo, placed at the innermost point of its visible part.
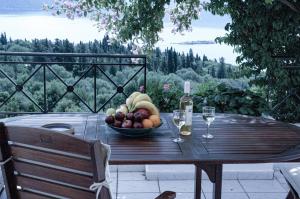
(227, 99)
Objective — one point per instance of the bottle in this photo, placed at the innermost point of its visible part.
(186, 105)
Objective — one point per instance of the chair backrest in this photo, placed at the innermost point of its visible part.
(48, 164)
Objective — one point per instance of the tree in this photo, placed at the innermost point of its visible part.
(131, 20)
(3, 39)
(204, 59)
(221, 74)
(213, 71)
(261, 33)
(128, 20)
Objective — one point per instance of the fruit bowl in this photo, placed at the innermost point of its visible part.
(134, 132)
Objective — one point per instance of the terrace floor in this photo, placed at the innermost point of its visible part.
(133, 185)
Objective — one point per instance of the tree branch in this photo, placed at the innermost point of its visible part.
(290, 5)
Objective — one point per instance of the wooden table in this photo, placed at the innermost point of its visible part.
(238, 139)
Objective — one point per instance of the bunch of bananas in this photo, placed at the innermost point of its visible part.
(139, 100)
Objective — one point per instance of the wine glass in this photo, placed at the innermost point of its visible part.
(179, 121)
(208, 114)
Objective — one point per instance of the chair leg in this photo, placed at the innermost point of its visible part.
(291, 196)
(167, 195)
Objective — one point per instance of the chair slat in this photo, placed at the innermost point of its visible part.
(53, 174)
(52, 188)
(28, 195)
(48, 139)
(52, 159)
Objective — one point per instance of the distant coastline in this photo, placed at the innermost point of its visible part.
(19, 12)
(195, 42)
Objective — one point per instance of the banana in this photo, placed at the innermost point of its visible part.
(147, 105)
(141, 97)
(134, 94)
(123, 108)
(129, 101)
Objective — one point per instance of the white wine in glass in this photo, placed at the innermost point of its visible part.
(179, 121)
(208, 114)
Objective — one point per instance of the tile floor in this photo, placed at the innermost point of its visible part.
(133, 185)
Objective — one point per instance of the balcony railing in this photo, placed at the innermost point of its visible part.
(93, 66)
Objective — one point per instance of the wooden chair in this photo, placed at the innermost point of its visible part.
(39, 163)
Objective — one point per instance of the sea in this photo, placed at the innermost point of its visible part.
(41, 25)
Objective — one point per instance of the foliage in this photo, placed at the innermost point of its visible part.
(130, 20)
(227, 99)
(260, 32)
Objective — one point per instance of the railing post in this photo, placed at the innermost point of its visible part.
(145, 74)
(45, 90)
(95, 88)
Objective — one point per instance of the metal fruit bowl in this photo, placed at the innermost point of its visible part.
(133, 132)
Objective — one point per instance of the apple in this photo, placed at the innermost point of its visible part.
(137, 125)
(138, 117)
(130, 116)
(117, 123)
(145, 113)
(127, 124)
(120, 116)
(109, 119)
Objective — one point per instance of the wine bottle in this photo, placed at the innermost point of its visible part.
(186, 105)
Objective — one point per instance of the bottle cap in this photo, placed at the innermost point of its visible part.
(187, 87)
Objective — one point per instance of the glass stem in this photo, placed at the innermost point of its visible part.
(179, 132)
(207, 130)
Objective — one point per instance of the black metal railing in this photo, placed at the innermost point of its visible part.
(93, 65)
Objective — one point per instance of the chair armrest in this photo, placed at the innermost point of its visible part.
(167, 195)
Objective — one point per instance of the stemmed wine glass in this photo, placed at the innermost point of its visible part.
(208, 114)
(179, 121)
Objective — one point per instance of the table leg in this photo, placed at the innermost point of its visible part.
(198, 177)
(217, 185)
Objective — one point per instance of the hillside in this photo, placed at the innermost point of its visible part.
(21, 5)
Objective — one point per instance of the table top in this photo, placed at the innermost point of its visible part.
(238, 139)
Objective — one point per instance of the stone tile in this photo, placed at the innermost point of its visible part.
(267, 195)
(131, 176)
(137, 195)
(113, 185)
(113, 175)
(230, 172)
(129, 186)
(113, 168)
(263, 175)
(258, 186)
(227, 186)
(285, 186)
(177, 186)
(131, 168)
(228, 196)
(170, 172)
(278, 176)
(187, 195)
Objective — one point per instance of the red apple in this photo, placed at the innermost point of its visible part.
(117, 123)
(137, 125)
(127, 124)
(109, 119)
(130, 116)
(120, 116)
(145, 113)
(138, 117)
